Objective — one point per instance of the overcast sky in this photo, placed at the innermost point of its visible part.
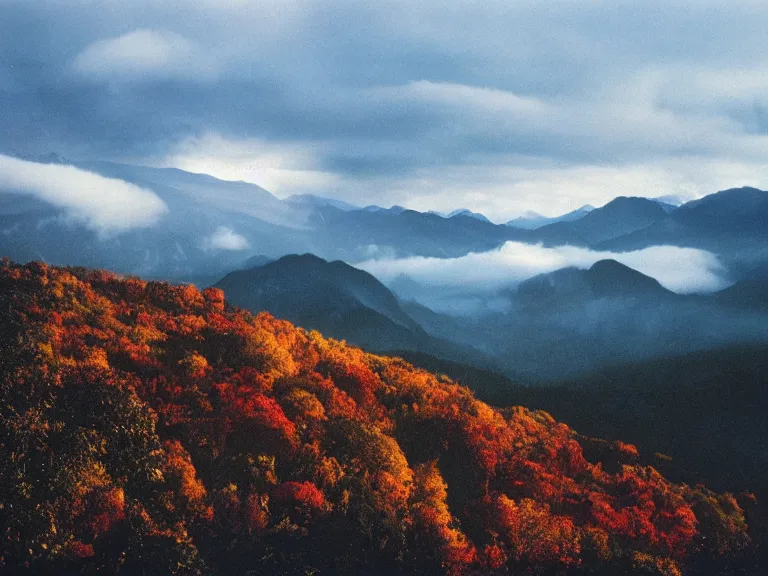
(499, 107)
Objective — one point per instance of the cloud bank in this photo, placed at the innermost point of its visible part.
(107, 205)
(682, 270)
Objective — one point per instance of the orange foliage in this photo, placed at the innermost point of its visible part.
(267, 434)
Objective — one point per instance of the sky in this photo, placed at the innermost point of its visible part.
(496, 106)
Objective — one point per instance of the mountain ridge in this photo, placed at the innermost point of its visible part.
(534, 221)
(342, 302)
(621, 216)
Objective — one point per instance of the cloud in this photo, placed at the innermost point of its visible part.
(682, 270)
(484, 100)
(283, 169)
(143, 53)
(499, 108)
(107, 205)
(226, 239)
(553, 190)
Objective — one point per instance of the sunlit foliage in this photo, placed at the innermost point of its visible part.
(149, 429)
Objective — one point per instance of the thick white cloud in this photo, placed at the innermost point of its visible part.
(143, 53)
(107, 205)
(682, 270)
(226, 239)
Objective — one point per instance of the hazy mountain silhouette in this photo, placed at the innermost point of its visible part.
(256, 261)
(606, 278)
(348, 235)
(619, 217)
(533, 220)
(571, 321)
(341, 302)
(463, 212)
(731, 224)
(317, 201)
(180, 247)
(751, 292)
(291, 280)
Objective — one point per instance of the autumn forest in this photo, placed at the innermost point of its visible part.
(150, 428)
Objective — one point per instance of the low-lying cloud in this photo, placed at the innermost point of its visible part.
(107, 205)
(682, 270)
(227, 239)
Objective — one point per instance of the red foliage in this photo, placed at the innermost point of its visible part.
(262, 427)
(81, 550)
(303, 500)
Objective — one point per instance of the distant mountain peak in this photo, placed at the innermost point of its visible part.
(604, 279)
(736, 210)
(731, 195)
(611, 266)
(306, 258)
(531, 220)
(675, 200)
(633, 202)
(610, 277)
(333, 297)
(393, 209)
(317, 201)
(464, 212)
(620, 216)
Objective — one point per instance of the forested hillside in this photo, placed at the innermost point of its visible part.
(147, 428)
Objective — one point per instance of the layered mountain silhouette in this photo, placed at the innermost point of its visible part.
(315, 294)
(560, 325)
(618, 218)
(566, 323)
(731, 224)
(464, 213)
(341, 302)
(361, 234)
(184, 244)
(751, 292)
(317, 201)
(605, 279)
(533, 220)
